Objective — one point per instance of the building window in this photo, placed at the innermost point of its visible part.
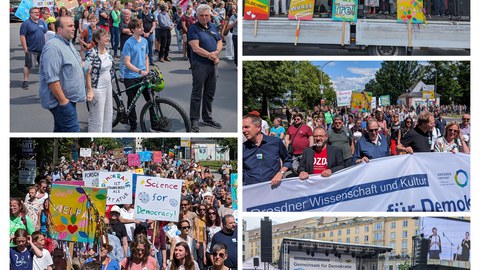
(378, 236)
(339, 240)
(392, 245)
(357, 229)
(405, 223)
(357, 239)
(339, 232)
(366, 239)
(404, 234)
(348, 231)
(393, 225)
(404, 244)
(378, 226)
(331, 234)
(366, 229)
(347, 240)
(392, 235)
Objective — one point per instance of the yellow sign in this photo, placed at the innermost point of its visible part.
(361, 101)
(410, 11)
(185, 142)
(428, 94)
(301, 10)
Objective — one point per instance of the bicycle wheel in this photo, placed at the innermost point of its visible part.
(174, 118)
(116, 114)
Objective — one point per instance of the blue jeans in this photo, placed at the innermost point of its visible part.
(179, 39)
(150, 48)
(65, 117)
(159, 259)
(115, 39)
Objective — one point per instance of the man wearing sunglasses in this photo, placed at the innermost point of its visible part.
(300, 136)
(228, 237)
(420, 138)
(149, 24)
(371, 146)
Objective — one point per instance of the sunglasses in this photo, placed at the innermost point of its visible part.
(373, 130)
(215, 254)
(453, 130)
(408, 122)
(201, 209)
(298, 119)
(211, 213)
(184, 204)
(187, 227)
(466, 119)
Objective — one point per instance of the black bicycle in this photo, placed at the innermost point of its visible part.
(168, 116)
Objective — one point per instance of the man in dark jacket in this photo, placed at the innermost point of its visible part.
(321, 158)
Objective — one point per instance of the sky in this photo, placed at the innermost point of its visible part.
(254, 222)
(349, 75)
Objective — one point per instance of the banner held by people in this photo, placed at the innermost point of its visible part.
(421, 182)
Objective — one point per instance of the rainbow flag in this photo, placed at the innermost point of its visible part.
(171, 152)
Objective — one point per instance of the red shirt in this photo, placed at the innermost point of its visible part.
(320, 161)
(300, 141)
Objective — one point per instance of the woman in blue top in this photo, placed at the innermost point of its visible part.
(277, 130)
(21, 257)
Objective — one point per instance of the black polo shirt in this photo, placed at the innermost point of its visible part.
(147, 21)
(418, 140)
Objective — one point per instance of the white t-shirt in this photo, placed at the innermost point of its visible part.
(129, 226)
(43, 262)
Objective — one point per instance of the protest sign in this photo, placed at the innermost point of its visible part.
(384, 100)
(344, 98)
(118, 153)
(428, 94)
(157, 156)
(145, 156)
(157, 198)
(301, 10)
(43, 3)
(69, 4)
(27, 172)
(74, 183)
(233, 189)
(344, 10)
(72, 214)
(119, 185)
(85, 152)
(23, 10)
(373, 105)
(91, 178)
(421, 182)
(256, 10)
(361, 101)
(410, 11)
(134, 160)
(139, 171)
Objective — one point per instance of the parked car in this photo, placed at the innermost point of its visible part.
(13, 8)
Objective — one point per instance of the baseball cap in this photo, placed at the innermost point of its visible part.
(207, 194)
(115, 208)
(50, 20)
(256, 113)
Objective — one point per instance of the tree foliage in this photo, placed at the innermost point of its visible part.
(230, 144)
(160, 144)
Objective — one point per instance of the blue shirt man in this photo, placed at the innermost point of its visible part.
(62, 83)
(262, 155)
(371, 146)
(206, 45)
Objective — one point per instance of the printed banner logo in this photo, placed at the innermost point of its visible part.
(461, 181)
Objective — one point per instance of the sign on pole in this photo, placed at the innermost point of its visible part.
(134, 160)
(119, 185)
(344, 10)
(344, 98)
(256, 10)
(157, 156)
(27, 171)
(91, 178)
(157, 198)
(428, 94)
(85, 152)
(384, 100)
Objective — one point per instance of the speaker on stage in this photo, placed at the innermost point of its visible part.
(266, 240)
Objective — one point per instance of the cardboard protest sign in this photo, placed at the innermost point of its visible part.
(301, 10)
(157, 156)
(43, 3)
(118, 153)
(69, 4)
(256, 10)
(410, 11)
(85, 152)
(27, 171)
(134, 160)
(91, 178)
(119, 185)
(73, 215)
(157, 198)
(345, 10)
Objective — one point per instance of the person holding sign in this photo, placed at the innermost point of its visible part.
(321, 158)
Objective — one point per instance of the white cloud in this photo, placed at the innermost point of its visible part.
(342, 83)
(363, 71)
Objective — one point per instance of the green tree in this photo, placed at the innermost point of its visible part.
(452, 80)
(160, 144)
(307, 86)
(228, 144)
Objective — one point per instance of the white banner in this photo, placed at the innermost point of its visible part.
(43, 3)
(300, 260)
(344, 98)
(85, 152)
(420, 182)
(157, 198)
(27, 171)
(119, 185)
(374, 103)
(90, 178)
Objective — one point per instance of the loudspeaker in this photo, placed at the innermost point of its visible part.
(266, 239)
(421, 251)
(256, 261)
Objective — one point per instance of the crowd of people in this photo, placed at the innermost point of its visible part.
(204, 237)
(327, 139)
(110, 34)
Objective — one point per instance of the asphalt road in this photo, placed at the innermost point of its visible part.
(27, 115)
(257, 49)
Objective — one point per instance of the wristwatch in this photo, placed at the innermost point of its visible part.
(281, 172)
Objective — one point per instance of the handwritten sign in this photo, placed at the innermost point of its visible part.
(410, 11)
(69, 4)
(118, 153)
(345, 10)
(361, 101)
(157, 198)
(301, 10)
(73, 215)
(85, 152)
(428, 94)
(119, 185)
(157, 156)
(91, 178)
(43, 3)
(344, 98)
(133, 160)
(256, 10)
(384, 100)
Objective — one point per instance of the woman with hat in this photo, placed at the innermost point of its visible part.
(51, 28)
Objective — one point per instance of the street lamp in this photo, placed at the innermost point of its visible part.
(321, 76)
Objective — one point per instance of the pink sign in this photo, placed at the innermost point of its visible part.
(133, 160)
(71, 183)
(157, 156)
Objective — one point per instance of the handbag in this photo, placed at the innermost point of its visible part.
(290, 146)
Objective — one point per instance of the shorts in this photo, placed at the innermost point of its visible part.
(184, 38)
(29, 58)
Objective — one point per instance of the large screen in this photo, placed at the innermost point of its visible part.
(449, 238)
